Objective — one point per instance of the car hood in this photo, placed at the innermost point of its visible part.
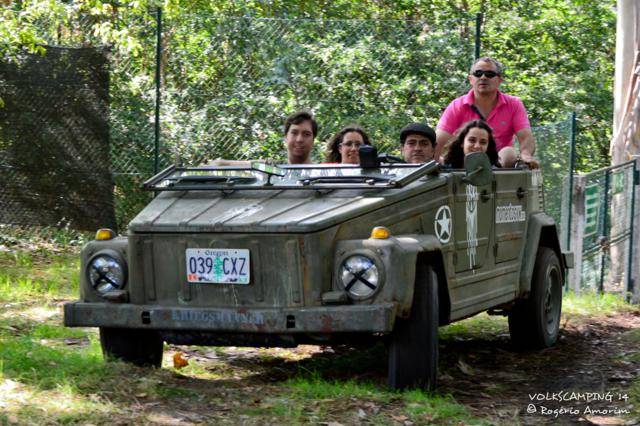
(266, 210)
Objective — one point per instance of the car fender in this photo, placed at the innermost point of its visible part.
(541, 231)
(400, 254)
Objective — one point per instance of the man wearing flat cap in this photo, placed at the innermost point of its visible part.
(418, 143)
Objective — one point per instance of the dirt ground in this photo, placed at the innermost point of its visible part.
(585, 379)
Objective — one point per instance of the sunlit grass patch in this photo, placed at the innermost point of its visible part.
(366, 399)
(24, 404)
(40, 381)
(427, 408)
(479, 324)
(315, 387)
(28, 276)
(591, 303)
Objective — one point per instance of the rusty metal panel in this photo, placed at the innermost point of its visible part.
(352, 318)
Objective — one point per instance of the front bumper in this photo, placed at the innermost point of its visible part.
(323, 319)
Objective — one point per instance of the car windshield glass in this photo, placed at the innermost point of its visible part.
(261, 176)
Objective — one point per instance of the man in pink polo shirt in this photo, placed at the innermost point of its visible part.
(505, 114)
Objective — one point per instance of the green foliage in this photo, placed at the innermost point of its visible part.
(588, 303)
(559, 57)
(233, 69)
(47, 276)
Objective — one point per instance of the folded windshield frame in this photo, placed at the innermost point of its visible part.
(266, 177)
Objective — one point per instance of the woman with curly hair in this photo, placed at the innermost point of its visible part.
(344, 146)
(474, 136)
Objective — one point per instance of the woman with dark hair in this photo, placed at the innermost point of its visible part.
(474, 136)
(344, 146)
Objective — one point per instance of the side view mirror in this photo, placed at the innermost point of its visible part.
(478, 168)
(368, 157)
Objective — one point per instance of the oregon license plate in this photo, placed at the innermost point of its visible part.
(219, 266)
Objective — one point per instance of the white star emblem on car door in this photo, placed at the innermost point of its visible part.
(442, 224)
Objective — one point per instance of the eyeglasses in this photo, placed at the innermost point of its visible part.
(488, 74)
(350, 144)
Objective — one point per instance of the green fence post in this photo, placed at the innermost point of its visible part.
(604, 236)
(630, 283)
(156, 147)
(478, 34)
(572, 161)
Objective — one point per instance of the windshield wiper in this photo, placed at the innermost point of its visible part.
(229, 180)
(368, 179)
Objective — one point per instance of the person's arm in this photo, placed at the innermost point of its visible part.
(442, 138)
(527, 144)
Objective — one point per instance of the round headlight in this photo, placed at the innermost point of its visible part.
(107, 272)
(359, 276)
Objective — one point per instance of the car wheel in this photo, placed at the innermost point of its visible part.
(139, 347)
(413, 352)
(534, 323)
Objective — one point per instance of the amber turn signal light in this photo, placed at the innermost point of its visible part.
(105, 234)
(380, 233)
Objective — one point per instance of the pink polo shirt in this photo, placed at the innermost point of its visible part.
(506, 119)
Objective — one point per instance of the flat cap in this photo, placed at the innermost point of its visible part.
(419, 128)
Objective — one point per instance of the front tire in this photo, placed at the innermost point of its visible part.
(413, 352)
(140, 347)
(534, 323)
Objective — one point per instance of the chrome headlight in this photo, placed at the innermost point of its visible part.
(359, 276)
(107, 271)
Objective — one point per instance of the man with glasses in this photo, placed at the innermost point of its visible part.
(418, 142)
(504, 113)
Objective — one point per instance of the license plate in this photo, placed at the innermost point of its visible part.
(218, 266)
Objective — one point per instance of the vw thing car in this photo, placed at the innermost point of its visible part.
(278, 256)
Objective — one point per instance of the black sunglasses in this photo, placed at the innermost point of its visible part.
(480, 73)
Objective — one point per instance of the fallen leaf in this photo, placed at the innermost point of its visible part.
(465, 368)
(179, 361)
(400, 418)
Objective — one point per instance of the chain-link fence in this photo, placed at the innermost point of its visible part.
(603, 228)
(128, 116)
(54, 140)
(228, 83)
(229, 98)
(553, 149)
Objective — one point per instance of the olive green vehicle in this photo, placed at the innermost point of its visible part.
(279, 256)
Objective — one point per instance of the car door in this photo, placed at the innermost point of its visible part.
(473, 219)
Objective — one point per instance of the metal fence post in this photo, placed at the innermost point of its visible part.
(572, 160)
(478, 34)
(156, 147)
(576, 232)
(604, 236)
(630, 282)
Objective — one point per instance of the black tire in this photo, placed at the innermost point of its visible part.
(413, 351)
(139, 347)
(534, 323)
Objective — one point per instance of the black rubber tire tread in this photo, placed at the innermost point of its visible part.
(140, 347)
(530, 324)
(413, 351)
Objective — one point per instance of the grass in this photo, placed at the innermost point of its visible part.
(50, 374)
(590, 303)
(41, 277)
